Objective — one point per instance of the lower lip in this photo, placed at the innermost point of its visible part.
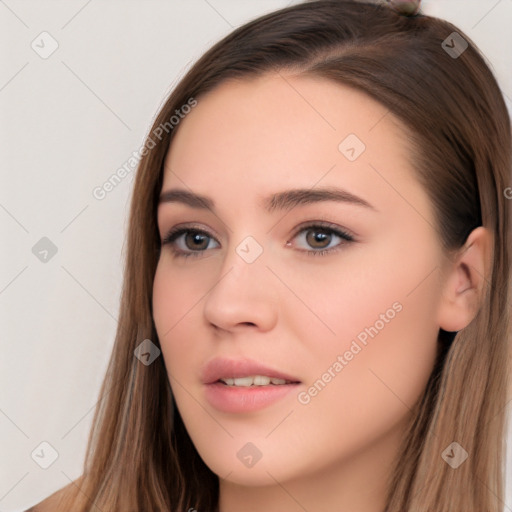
(245, 399)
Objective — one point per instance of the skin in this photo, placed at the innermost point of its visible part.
(297, 312)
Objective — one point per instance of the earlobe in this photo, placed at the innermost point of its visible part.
(465, 281)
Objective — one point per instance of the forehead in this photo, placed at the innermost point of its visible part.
(310, 108)
(282, 130)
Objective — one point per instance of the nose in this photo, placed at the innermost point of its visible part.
(245, 293)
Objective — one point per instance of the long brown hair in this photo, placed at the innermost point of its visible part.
(140, 457)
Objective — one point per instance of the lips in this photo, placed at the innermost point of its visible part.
(221, 368)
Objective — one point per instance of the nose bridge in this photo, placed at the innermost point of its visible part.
(244, 267)
(244, 292)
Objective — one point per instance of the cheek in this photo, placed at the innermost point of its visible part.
(362, 391)
(371, 371)
(360, 293)
(177, 292)
(174, 297)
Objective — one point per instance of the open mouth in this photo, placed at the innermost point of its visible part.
(254, 381)
(244, 385)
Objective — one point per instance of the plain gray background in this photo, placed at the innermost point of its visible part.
(68, 122)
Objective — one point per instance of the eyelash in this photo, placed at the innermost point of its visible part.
(328, 228)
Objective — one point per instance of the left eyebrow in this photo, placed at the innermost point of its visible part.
(285, 200)
(289, 199)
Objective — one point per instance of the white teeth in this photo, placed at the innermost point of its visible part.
(256, 380)
(259, 380)
(277, 381)
(243, 381)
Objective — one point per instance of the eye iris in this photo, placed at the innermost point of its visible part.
(318, 236)
(196, 237)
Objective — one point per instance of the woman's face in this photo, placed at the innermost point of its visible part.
(337, 294)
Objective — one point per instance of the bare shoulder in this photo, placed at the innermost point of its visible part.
(52, 502)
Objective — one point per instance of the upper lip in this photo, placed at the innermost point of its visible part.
(220, 368)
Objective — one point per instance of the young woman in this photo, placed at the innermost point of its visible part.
(315, 313)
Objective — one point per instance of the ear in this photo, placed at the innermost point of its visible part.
(465, 281)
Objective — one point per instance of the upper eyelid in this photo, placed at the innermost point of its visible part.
(325, 224)
(314, 219)
(191, 227)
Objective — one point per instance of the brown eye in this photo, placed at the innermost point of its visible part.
(195, 240)
(186, 242)
(318, 238)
